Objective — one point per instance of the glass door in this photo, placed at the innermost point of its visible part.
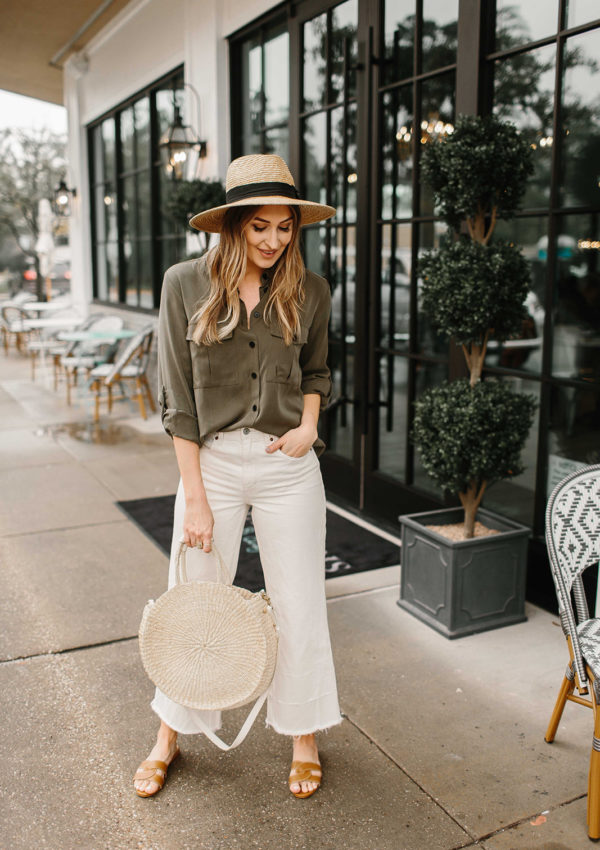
(328, 124)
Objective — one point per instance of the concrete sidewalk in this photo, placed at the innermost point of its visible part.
(442, 743)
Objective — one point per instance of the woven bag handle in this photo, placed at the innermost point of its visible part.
(181, 570)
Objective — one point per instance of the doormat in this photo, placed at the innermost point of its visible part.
(350, 548)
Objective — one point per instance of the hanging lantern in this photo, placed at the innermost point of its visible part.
(62, 199)
(177, 145)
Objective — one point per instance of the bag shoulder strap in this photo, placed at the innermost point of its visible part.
(243, 731)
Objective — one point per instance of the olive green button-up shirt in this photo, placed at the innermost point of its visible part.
(251, 378)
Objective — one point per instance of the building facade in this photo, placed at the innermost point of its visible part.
(351, 93)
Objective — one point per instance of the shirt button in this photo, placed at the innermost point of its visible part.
(252, 344)
(254, 408)
(256, 314)
(246, 430)
(254, 375)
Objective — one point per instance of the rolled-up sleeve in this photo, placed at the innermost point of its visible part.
(316, 376)
(175, 382)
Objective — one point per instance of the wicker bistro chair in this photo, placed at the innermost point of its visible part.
(85, 356)
(64, 350)
(131, 365)
(573, 542)
(14, 323)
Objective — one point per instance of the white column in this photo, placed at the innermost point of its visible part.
(79, 224)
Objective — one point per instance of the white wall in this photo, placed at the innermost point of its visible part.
(143, 42)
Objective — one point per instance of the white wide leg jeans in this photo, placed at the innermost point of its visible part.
(288, 511)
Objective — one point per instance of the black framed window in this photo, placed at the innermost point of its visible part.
(545, 81)
(133, 238)
(356, 133)
(415, 90)
(264, 63)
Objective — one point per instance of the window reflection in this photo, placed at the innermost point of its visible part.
(315, 157)
(524, 95)
(573, 431)
(342, 279)
(514, 497)
(264, 88)
(582, 12)
(314, 242)
(397, 153)
(580, 179)
(276, 79)
(520, 23)
(430, 342)
(396, 254)
(342, 274)
(344, 21)
(251, 95)
(142, 132)
(398, 39)
(440, 27)
(524, 350)
(315, 63)
(128, 139)
(437, 121)
(343, 163)
(393, 400)
(277, 141)
(576, 343)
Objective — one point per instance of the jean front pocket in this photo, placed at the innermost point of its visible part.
(295, 459)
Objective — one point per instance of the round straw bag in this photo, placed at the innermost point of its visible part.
(210, 644)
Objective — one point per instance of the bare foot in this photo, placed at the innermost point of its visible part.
(164, 750)
(305, 749)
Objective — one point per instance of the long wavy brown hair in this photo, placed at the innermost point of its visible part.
(227, 265)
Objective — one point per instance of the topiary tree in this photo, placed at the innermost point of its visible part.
(188, 197)
(471, 433)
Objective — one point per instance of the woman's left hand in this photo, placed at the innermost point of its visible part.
(295, 443)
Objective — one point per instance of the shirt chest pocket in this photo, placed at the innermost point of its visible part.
(214, 365)
(284, 360)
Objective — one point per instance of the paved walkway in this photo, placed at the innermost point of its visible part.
(442, 743)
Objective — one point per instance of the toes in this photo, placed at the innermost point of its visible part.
(295, 787)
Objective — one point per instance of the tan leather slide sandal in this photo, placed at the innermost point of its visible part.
(153, 771)
(305, 771)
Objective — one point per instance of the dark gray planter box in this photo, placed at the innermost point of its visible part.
(468, 586)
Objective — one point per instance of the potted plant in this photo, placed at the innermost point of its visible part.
(463, 569)
(188, 197)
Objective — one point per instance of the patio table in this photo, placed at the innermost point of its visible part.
(41, 307)
(95, 336)
(55, 323)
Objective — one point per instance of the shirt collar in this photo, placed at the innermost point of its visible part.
(266, 278)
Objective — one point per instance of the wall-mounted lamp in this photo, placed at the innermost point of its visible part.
(62, 198)
(179, 141)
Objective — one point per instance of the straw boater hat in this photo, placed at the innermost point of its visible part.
(260, 179)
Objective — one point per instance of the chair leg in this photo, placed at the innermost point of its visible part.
(593, 814)
(95, 388)
(32, 365)
(68, 379)
(148, 393)
(566, 689)
(140, 398)
(110, 397)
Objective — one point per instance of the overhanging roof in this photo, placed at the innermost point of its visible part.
(34, 31)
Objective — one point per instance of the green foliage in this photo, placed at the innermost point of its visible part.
(32, 163)
(469, 288)
(482, 165)
(471, 434)
(188, 197)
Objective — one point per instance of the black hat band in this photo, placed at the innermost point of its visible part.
(256, 190)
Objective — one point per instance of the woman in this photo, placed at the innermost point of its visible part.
(242, 377)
